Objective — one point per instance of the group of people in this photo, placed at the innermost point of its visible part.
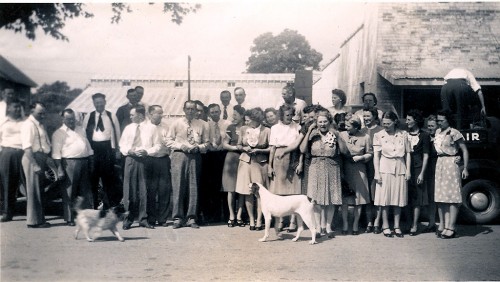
(177, 169)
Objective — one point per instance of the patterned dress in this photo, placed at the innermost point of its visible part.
(324, 182)
(448, 181)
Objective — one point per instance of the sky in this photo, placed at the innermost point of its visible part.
(146, 43)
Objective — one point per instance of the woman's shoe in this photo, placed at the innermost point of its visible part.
(355, 232)
(323, 231)
(413, 232)
(398, 234)
(453, 234)
(240, 223)
(388, 235)
(231, 223)
(438, 233)
(292, 228)
(259, 228)
(344, 232)
(331, 234)
(252, 228)
(376, 230)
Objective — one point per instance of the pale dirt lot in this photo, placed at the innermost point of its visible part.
(234, 254)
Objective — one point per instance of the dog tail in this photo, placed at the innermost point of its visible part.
(78, 204)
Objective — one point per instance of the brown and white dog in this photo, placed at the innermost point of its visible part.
(98, 220)
(279, 206)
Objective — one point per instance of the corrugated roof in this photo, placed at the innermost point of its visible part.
(9, 72)
(171, 99)
(397, 75)
(205, 77)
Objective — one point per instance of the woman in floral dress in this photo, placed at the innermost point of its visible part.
(448, 178)
(324, 181)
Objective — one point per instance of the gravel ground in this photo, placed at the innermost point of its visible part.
(220, 253)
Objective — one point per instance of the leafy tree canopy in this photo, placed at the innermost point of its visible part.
(51, 17)
(284, 53)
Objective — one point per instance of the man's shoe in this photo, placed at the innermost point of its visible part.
(177, 224)
(147, 225)
(164, 224)
(192, 223)
(42, 225)
(71, 223)
(5, 218)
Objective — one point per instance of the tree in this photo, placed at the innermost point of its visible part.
(285, 53)
(51, 17)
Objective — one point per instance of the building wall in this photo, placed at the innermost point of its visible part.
(429, 35)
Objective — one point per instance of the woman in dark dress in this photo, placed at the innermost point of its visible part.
(420, 148)
(431, 170)
(231, 162)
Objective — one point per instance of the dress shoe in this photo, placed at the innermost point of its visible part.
(146, 225)
(177, 225)
(259, 228)
(448, 236)
(376, 230)
(192, 223)
(355, 232)
(369, 229)
(388, 235)
(344, 232)
(164, 224)
(252, 228)
(398, 234)
(331, 234)
(126, 226)
(71, 223)
(42, 225)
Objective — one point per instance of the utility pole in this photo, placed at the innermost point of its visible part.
(189, 77)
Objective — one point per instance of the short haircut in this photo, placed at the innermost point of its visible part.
(238, 88)
(267, 110)
(286, 108)
(199, 103)
(309, 109)
(139, 87)
(370, 94)
(417, 116)
(431, 118)
(153, 108)
(98, 95)
(213, 105)
(392, 116)
(354, 121)
(341, 94)
(290, 88)
(67, 111)
(140, 109)
(189, 102)
(373, 111)
(131, 90)
(326, 114)
(226, 92)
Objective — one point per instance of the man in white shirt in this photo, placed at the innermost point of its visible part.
(226, 107)
(458, 95)
(158, 171)
(71, 151)
(103, 132)
(36, 146)
(7, 95)
(10, 158)
(288, 94)
(139, 139)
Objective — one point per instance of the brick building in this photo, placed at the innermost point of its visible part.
(402, 51)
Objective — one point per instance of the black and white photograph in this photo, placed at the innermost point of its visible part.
(320, 140)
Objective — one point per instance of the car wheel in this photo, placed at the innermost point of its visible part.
(481, 201)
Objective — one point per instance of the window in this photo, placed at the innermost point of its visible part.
(125, 83)
(179, 84)
(231, 84)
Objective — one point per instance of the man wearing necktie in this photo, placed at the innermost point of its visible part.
(211, 198)
(136, 143)
(36, 146)
(227, 108)
(103, 132)
(187, 138)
